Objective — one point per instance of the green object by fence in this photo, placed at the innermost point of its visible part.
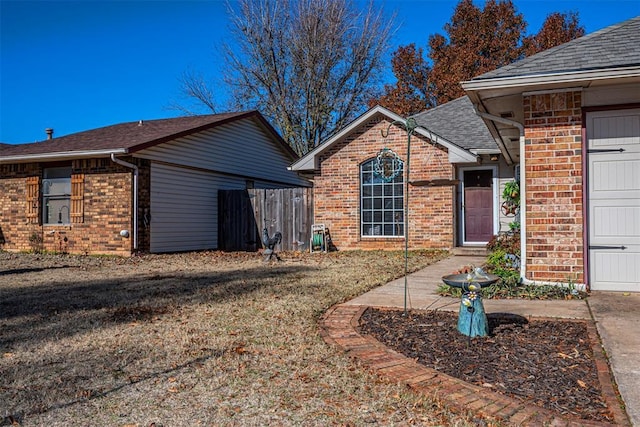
(317, 240)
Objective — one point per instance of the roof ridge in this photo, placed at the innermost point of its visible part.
(189, 116)
(584, 38)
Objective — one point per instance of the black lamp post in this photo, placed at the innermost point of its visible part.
(410, 126)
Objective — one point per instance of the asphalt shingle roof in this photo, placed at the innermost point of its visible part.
(457, 122)
(130, 136)
(612, 47)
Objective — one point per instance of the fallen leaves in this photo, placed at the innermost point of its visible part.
(546, 362)
(223, 336)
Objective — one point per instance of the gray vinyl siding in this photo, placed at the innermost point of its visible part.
(184, 207)
(241, 148)
(188, 172)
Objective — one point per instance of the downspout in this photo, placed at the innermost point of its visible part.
(523, 185)
(135, 195)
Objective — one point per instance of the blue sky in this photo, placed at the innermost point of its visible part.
(79, 65)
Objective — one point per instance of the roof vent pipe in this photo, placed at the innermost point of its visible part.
(49, 132)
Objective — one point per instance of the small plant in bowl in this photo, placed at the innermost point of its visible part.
(511, 192)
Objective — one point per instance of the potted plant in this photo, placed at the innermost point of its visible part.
(511, 196)
(511, 192)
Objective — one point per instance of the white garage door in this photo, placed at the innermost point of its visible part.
(614, 199)
(184, 209)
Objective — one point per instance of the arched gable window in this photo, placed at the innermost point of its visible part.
(381, 203)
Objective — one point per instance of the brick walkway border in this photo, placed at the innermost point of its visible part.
(339, 327)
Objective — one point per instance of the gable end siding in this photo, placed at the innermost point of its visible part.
(241, 149)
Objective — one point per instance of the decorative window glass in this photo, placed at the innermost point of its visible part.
(56, 195)
(381, 202)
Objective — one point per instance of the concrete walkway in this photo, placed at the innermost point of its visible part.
(616, 316)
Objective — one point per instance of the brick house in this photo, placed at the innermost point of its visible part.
(450, 145)
(570, 117)
(564, 122)
(148, 186)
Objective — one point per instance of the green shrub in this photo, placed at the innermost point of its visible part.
(508, 242)
(504, 261)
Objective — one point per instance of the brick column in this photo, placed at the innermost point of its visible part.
(553, 170)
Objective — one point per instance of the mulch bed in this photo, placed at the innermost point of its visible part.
(547, 363)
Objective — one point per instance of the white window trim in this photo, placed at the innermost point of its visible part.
(360, 208)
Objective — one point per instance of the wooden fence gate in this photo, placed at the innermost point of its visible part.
(244, 214)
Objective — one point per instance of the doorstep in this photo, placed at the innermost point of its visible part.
(470, 251)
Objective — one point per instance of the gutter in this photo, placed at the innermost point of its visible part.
(62, 155)
(135, 195)
(523, 198)
(561, 78)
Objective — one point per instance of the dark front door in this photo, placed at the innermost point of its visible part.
(478, 205)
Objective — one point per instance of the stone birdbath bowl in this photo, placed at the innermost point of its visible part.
(472, 320)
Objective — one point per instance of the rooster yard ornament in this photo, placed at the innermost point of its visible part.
(270, 243)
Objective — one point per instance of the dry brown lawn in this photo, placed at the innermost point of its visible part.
(192, 339)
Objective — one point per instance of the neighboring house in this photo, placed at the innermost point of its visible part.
(570, 116)
(364, 211)
(149, 186)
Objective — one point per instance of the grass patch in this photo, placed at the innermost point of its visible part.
(193, 339)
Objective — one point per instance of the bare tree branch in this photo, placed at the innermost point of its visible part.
(308, 65)
(194, 86)
(198, 92)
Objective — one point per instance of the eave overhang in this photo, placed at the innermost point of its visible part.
(495, 95)
(508, 85)
(60, 156)
(310, 161)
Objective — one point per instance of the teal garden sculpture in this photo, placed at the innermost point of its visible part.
(472, 319)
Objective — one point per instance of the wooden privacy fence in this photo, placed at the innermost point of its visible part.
(243, 214)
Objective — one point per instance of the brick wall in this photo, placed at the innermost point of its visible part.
(337, 190)
(106, 209)
(553, 155)
(15, 229)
